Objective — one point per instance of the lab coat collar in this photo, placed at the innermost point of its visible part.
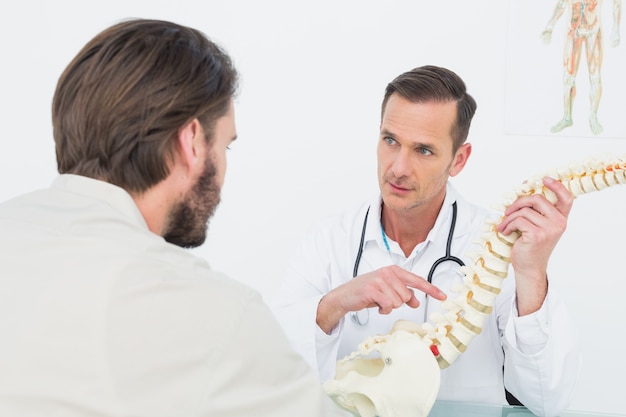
(374, 230)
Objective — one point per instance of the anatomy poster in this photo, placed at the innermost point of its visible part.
(566, 69)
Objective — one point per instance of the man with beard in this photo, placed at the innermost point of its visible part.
(102, 311)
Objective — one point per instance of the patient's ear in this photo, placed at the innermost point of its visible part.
(190, 138)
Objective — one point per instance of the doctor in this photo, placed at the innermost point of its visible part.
(355, 274)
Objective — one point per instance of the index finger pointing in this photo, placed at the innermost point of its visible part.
(419, 283)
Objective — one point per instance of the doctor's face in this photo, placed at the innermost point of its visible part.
(415, 153)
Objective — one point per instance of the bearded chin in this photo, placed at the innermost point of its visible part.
(188, 221)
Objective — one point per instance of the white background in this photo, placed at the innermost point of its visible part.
(313, 74)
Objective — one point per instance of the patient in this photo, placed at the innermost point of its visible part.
(102, 310)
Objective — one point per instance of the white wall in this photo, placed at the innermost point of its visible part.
(312, 78)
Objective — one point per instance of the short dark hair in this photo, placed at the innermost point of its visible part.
(431, 83)
(120, 103)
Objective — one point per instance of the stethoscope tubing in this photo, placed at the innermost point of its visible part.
(448, 257)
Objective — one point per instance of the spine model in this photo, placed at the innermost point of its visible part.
(449, 334)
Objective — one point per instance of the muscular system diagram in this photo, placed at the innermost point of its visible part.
(584, 37)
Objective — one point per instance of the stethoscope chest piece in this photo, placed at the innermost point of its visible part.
(361, 317)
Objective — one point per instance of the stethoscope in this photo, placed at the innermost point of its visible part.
(448, 257)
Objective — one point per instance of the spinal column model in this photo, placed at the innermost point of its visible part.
(404, 380)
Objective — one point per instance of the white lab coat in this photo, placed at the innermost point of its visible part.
(101, 317)
(540, 352)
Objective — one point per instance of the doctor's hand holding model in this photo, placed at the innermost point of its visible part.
(397, 256)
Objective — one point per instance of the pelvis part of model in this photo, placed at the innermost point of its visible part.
(403, 378)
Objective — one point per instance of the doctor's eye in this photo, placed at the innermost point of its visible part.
(424, 151)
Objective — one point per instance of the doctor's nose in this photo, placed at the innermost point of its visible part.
(401, 166)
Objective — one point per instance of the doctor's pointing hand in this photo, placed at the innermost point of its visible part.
(386, 288)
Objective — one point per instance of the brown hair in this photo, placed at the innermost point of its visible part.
(120, 103)
(430, 83)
